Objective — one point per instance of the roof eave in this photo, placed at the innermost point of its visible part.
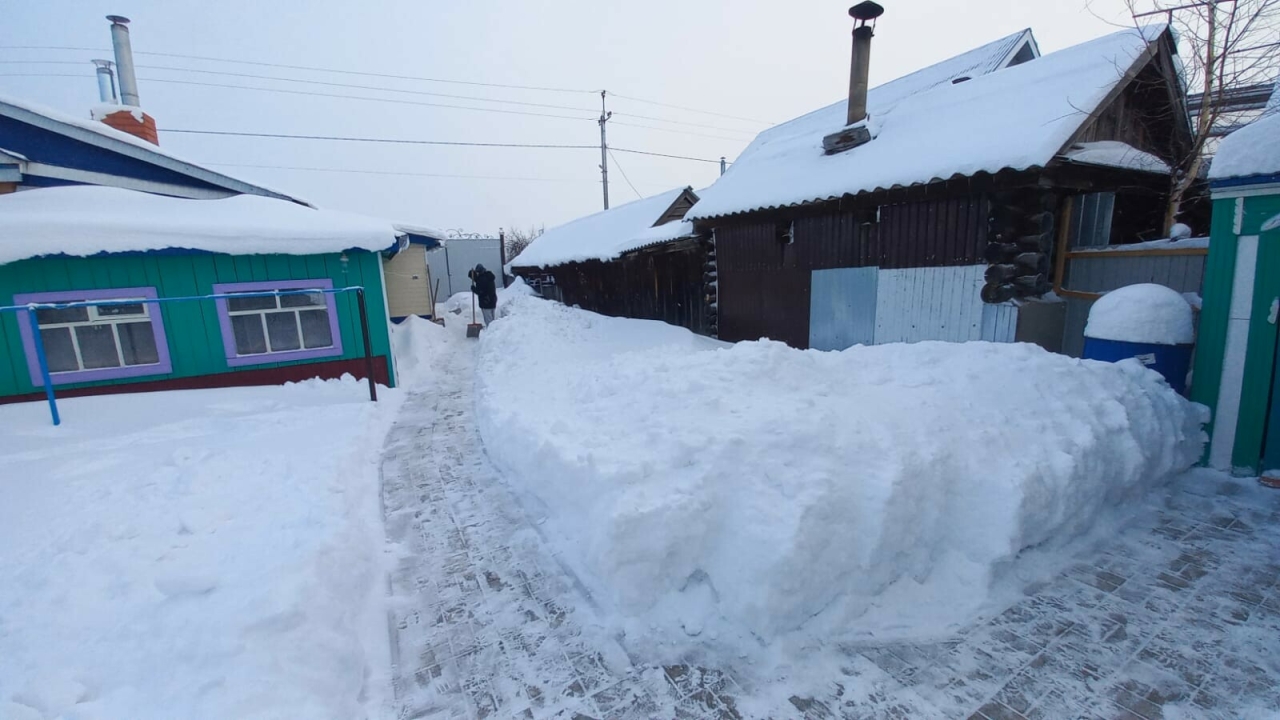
(140, 153)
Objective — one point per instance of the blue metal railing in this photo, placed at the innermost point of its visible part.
(38, 341)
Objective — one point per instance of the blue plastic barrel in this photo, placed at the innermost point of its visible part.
(1171, 361)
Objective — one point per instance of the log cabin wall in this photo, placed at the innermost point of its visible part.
(662, 283)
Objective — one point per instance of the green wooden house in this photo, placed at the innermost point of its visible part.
(85, 243)
(1236, 356)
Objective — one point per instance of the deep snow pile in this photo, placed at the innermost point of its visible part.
(1142, 313)
(196, 554)
(757, 490)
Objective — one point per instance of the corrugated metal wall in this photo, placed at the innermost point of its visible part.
(765, 281)
(1103, 271)
(938, 303)
(842, 309)
(449, 264)
(408, 283)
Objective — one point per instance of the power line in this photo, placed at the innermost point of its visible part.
(624, 175)
(364, 87)
(379, 89)
(509, 86)
(664, 155)
(689, 109)
(679, 132)
(398, 173)
(397, 141)
(393, 141)
(315, 94)
(310, 68)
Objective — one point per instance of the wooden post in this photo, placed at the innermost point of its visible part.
(1064, 237)
(368, 351)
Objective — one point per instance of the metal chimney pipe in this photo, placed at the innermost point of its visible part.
(860, 67)
(859, 72)
(106, 82)
(124, 60)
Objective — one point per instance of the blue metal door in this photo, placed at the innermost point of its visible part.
(842, 308)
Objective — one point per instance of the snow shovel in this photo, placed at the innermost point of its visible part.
(473, 329)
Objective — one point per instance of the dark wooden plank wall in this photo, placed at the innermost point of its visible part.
(765, 283)
(660, 284)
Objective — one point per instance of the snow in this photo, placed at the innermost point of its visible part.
(1252, 150)
(100, 112)
(1179, 231)
(99, 128)
(607, 234)
(1113, 153)
(84, 220)
(1270, 224)
(1143, 313)
(203, 554)
(1188, 243)
(717, 498)
(1017, 117)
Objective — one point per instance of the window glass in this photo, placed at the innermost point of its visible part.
(59, 350)
(121, 310)
(308, 300)
(315, 328)
(251, 303)
(97, 346)
(250, 339)
(282, 328)
(138, 343)
(69, 315)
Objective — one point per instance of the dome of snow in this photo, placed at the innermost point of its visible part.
(1145, 313)
(1180, 231)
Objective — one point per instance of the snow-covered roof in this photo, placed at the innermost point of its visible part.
(933, 125)
(83, 220)
(608, 233)
(102, 135)
(1252, 150)
(1113, 153)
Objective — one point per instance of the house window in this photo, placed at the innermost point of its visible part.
(1091, 219)
(117, 339)
(277, 328)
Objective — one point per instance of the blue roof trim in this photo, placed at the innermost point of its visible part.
(1245, 180)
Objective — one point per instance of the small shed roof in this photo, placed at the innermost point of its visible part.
(974, 113)
(84, 220)
(609, 233)
(1253, 150)
(101, 135)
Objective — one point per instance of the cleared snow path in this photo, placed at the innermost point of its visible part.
(485, 623)
(1175, 616)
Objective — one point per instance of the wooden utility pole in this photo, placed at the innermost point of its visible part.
(604, 150)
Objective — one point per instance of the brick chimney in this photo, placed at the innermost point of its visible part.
(127, 116)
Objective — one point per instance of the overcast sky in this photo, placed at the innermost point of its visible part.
(767, 61)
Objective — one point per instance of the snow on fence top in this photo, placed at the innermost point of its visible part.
(1252, 150)
(85, 220)
(957, 118)
(29, 112)
(607, 234)
(1143, 313)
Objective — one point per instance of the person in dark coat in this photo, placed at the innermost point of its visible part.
(483, 285)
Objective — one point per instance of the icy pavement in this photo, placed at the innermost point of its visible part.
(1180, 613)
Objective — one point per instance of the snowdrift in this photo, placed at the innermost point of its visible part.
(756, 491)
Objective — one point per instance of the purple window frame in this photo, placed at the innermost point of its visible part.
(229, 337)
(164, 367)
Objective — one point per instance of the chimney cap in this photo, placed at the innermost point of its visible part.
(866, 10)
(118, 19)
(102, 63)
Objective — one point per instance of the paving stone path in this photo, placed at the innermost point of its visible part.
(1182, 610)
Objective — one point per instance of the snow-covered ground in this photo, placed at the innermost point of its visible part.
(724, 497)
(196, 554)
